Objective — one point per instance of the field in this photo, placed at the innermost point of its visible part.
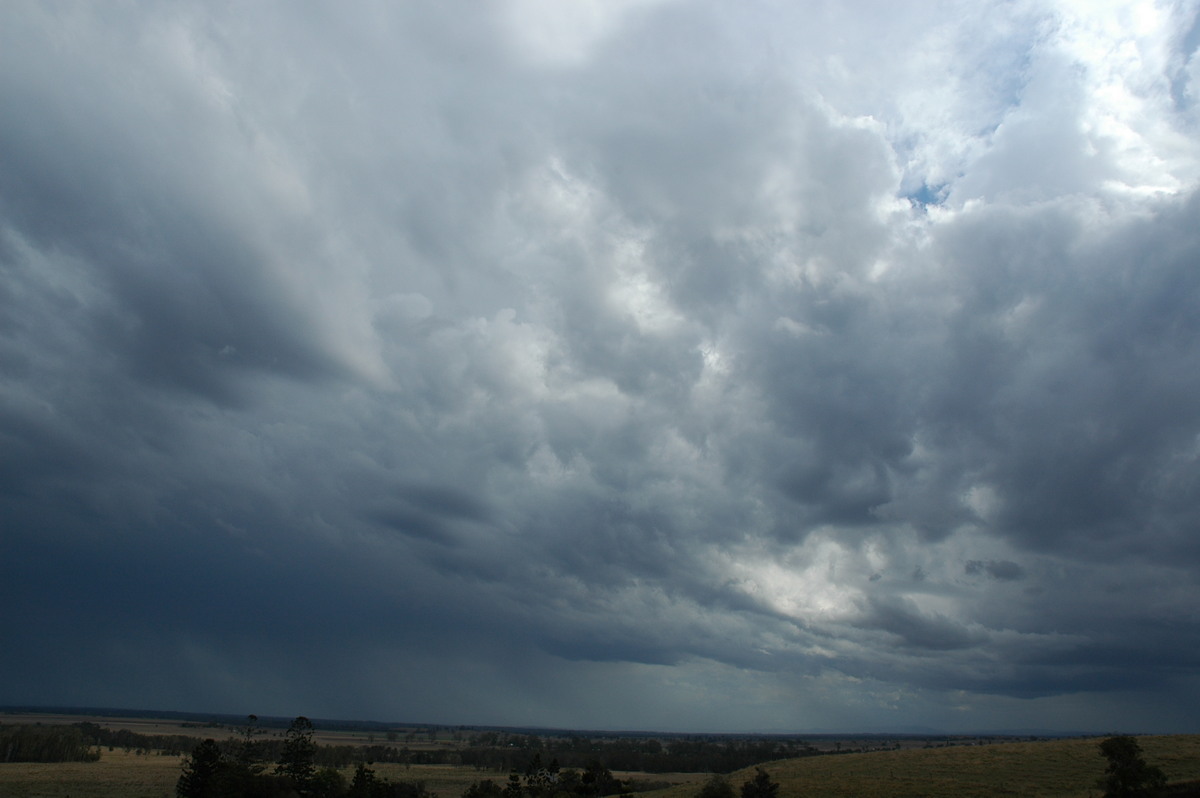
(129, 775)
(116, 774)
(1065, 768)
(1044, 769)
(132, 775)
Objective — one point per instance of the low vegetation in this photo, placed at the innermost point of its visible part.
(1127, 774)
(251, 760)
(45, 744)
(1062, 768)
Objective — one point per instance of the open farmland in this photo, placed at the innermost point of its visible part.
(129, 775)
(958, 767)
(413, 738)
(118, 773)
(1045, 769)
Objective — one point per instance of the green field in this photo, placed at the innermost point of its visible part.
(1052, 768)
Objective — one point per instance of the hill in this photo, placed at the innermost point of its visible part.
(1044, 769)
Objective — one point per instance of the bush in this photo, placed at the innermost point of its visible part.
(1127, 774)
(717, 786)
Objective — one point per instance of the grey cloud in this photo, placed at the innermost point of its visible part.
(1101, 400)
(1004, 570)
(586, 379)
(920, 630)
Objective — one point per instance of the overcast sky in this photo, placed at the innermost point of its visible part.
(658, 365)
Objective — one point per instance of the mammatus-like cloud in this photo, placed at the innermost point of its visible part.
(653, 364)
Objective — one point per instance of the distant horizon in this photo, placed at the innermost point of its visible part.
(282, 721)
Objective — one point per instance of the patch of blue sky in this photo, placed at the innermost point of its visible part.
(926, 195)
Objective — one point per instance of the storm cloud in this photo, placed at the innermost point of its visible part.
(649, 364)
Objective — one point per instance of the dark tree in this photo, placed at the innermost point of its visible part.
(539, 779)
(717, 786)
(513, 789)
(204, 773)
(247, 752)
(1127, 774)
(297, 762)
(484, 789)
(363, 783)
(327, 783)
(598, 780)
(401, 789)
(26, 743)
(761, 786)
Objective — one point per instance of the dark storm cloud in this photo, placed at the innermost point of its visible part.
(915, 629)
(532, 366)
(1078, 391)
(1005, 570)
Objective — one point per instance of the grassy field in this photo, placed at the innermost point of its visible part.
(1044, 769)
(157, 726)
(128, 775)
(116, 774)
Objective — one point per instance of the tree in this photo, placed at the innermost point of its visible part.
(484, 789)
(363, 783)
(760, 787)
(539, 779)
(513, 789)
(327, 783)
(597, 780)
(45, 744)
(247, 753)
(203, 773)
(297, 761)
(717, 786)
(1127, 774)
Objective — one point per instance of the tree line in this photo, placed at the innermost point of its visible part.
(552, 781)
(239, 768)
(499, 752)
(646, 755)
(25, 743)
(503, 753)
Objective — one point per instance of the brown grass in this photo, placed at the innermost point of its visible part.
(148, 726)
(116, 774)
(1045, 769)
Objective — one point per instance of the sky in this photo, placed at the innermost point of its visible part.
(661, 365)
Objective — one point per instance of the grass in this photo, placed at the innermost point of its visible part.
(448, 781)
(116, 774)
(129, 775)
(1044, 769)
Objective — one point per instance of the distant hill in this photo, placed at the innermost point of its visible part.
(1057, 768)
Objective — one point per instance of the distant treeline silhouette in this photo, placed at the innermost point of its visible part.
(239, 768)
(486, 751)
(27, 743)
(500, 752)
